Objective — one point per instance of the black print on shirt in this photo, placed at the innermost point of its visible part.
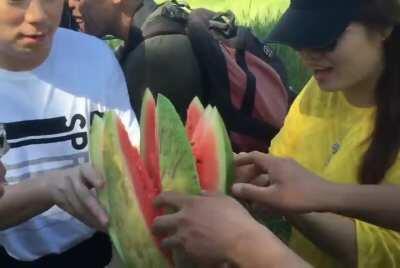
(50, 130)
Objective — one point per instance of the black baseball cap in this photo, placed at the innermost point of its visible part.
(314, 23)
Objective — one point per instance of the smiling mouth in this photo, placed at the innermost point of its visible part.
(78, 19)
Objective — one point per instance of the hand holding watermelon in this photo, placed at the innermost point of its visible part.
(171, 157)
(72, 191)
(207, 227)
(278, 184)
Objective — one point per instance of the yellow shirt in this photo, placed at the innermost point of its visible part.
(329, 136)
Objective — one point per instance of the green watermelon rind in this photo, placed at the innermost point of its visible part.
(230, 169)
(96, 149)
(127, 228)
(177, 164)
(96, 155)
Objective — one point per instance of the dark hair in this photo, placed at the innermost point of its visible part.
(385, 143)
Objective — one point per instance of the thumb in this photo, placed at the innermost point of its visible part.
(252, 193)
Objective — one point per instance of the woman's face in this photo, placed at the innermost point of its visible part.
(356, 60)
(26, 31)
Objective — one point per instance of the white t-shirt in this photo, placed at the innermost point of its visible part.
(47, 112)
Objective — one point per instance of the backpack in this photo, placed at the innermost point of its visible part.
(242, 77)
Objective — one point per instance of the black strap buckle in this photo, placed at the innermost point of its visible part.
(224, 23)
(176, 10)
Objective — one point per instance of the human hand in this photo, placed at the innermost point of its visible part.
(279, 184)
(206, 227)
(73, 191)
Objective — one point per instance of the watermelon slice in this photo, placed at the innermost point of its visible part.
(194, 113)
(96, 148)
(131, 195)
(177, 164)
(96, 154)
(230, 171)
(149, 149)
(209, 150)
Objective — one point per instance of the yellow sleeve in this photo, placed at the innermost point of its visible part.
(377, 247)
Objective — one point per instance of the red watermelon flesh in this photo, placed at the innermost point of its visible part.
(149, 146)
(194, 113)
(131, 195)
(209, 150)
(146, 189)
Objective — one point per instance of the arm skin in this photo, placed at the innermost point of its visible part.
(376, 204)
(22, 202)
(334, 234)
(263, 250)
(69, 189)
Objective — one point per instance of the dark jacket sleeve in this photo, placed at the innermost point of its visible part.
(166, 65)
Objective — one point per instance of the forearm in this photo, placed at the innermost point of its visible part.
(22, 202)
(263, 250)
(334, 234)
(376, 204)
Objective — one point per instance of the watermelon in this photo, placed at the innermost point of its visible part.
(149, 149)
(96, 154)
(208, 143)
(177, 164)
(172, 157)
(131, 196)
(230, 171)
(194, 113)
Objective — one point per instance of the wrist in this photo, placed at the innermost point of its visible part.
(327, 197)
(257, 248)
(45, 189)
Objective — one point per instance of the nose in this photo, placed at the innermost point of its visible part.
(310, 55)
(35, 12)
(72, 4)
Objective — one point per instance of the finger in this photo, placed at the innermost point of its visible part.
(211, 194)
(90, 202)
(261, 160)
(167, 224)
(246, 173)
(91, 177)
(239, 155)
(253, 193)
(171, 242)
(172, 200)
(262, 180)
(74, 207)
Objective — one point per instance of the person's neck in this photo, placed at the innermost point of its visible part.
(363, 93)
(21, 64)
(125, 26)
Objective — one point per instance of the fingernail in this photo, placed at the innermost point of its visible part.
(237, 188)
